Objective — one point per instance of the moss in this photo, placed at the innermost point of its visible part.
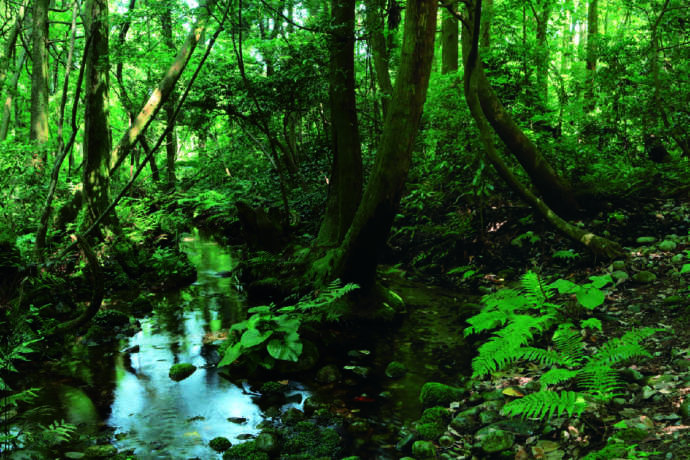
(111, 319)
(272, 388)
(395, 370)
(438, 394)
(245, 451)
(436, 414)
(310, 441)
(430, 431)
(220, 444)
(181, 371)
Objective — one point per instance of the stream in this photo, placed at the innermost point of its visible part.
(137, 407)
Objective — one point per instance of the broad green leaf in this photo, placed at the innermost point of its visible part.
(590, 298)
(601, 281)
(685, 269)
(286, 351)
(253, 337)
(565, 286)
(231, 354)
(261, 309)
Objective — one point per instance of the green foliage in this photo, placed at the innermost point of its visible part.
(518, 315)
(281, 326)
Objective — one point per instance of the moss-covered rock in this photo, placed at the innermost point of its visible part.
(111, 319)
(311, 441)
(220, 444)
(439, 394)
(245, 451)
(181, 371)
(104, 451)
(395, 370)
(423, 450)
(433, 423)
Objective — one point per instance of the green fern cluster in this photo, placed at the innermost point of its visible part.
(595, 375)
(518, 315)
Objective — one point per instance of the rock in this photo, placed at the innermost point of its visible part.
(645, 240)
(667, 245)
(245, 436)
(238, 420)
(181, 371)
(497, 441)
(292, 416)
(359, 426)
(141, 306)
(103, 451)
(362, 371)
(220, 444)
(644, 277)
(492, 395)
(423, 450)
(488, 416)
(463, 423)
(328, 374)
(439, 394)
(618, 265)
(245, 451)
(358, 354)
(74, 455)
(445, 441)
(267, 442)
(396, 369)
(310, 406)
(110, 319)
(631, 375)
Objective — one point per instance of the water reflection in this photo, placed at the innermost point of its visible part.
(160, 418)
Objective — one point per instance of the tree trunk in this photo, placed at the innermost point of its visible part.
(357, 258)
(11, 91)
(379, 51)
(6, 59)
(556, 193)
(592, 54)
(487, 18)
(472, 83)
(97, 140)
(542, 53)
(345, 186)
(163, 90)
(39, 77)
(171, 138)
(449, 42)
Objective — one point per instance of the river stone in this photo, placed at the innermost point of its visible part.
(644, 277)
(631, 375)
(488, 416)
(328, 374)
(497, 441)
(678, 259)
(74, 455)
(423, 450)
(445, 441)
(463, 423)
(646, 240)
(103, 451)
(292, 416)
(266, 442)
(395, 370)
(181, 371)
(220, 444)
(667, 245)
(238, 420)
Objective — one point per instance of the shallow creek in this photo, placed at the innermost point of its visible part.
(138, 407)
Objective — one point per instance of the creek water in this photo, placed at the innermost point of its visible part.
(136, 406)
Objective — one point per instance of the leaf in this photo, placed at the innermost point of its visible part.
(231, 354)
(284, 350)
(601, 281)
(511, 391)
(565, 286)
(590, 297)
(591, 323)
(253, 337)
(685, 269)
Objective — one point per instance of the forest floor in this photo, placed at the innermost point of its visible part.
(649, 418)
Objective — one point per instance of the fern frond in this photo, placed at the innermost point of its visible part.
(568, 342)
(556, 376)
(601, 381)
(544, 404)
(544, 357)
(616, 351)
(534, 290)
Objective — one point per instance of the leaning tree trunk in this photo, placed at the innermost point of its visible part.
(470, 46)
(345, 187)
(555, 192)
(356, 259)
(161, 93)
(171, 138)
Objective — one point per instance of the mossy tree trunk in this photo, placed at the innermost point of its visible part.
(345, 186)
(97, 140)
(379, 51)
(170, 138)
(470, 49)
(449, 43)
(357, 257)
(39, 77)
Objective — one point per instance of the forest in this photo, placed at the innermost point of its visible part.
(345, 229)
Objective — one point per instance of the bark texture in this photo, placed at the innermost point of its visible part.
(345, 187)
(39, 77)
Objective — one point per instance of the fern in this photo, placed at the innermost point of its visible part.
(544, 404)
(557, 376)
(568, 342)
